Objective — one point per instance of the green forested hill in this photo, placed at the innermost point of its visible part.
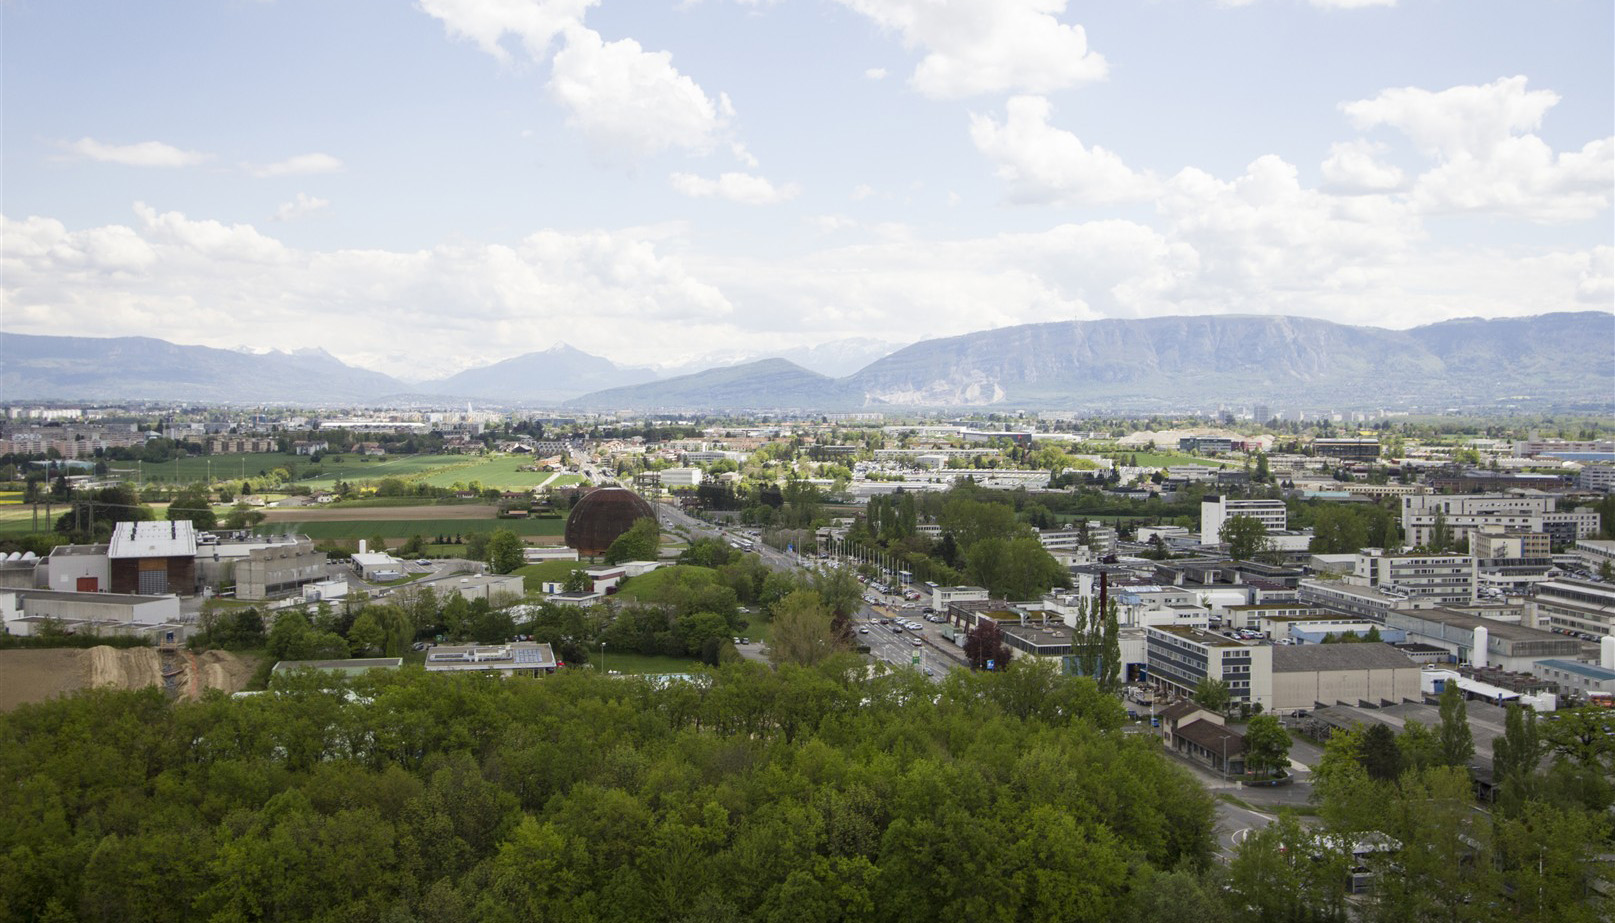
(793, 795)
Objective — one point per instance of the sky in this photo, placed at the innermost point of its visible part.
(422, 187)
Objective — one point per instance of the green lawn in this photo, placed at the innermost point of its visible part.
(643, 663)
(404, 528)
(536, 574)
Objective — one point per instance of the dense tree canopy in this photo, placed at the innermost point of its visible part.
(796, 794)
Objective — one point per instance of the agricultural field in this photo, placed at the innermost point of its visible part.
(498, 471)
(221, 467)
(19, 520)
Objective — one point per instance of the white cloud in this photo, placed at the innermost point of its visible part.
(1463, 120)
(301, 165)
(1487, 159)
(1043, 164)
(1354, 166)
(486, 22)
(743, 188)
(876, 73)
(302, 205)
(862, 191)
(988, 46)
(629, 100)
(233, 284)
(143, 154)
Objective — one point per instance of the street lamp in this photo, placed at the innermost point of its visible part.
(602, 656)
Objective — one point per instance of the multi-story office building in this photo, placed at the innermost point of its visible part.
(1464, 514)
(1510, 560)
(1179, 658)
(1448, 579)
(1347, 449)
(1578, 607)
(1216, 509)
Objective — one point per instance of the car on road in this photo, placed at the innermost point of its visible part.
(863, 631)
(423, 562)
(916, 642)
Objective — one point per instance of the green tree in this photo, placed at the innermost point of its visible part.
(802, 633)
(1456, 739)
(1267, 745)
(1440, 533)
(1213, 694)
(1380, 756)
(366, 636)
(504, 551)
(193, 503)
(1245, 536)
(640, 543)
(577, 581)
(1515, 757)
(242, 516)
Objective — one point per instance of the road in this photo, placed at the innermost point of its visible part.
(937, 654)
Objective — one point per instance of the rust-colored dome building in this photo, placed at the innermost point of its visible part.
(601, 516)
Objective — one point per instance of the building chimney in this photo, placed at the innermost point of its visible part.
(1477, 656)
(1606, 652)
(362, 544)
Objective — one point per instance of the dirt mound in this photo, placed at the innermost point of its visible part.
(222, 670)
(38, 675)
(133, 668)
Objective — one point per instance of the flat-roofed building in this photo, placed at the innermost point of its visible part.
(1350, 449)
(1313, 675)
(1180, 658)
(515, 657)
(1441, 578)
(1349, 599)
(1515, 648)
(1216, 509)
(1583, 608)
(1466, 513)
(279, 570)
(943, 596)
(1510, 560)
(1577, 678)
(24, 612)
(77, 569)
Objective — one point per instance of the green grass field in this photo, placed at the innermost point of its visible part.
(536, 574)
(499, 471)
(643, 663)
(404, 528)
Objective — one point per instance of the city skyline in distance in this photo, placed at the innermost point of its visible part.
(424, 189)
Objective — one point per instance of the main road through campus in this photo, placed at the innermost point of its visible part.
(937, 655)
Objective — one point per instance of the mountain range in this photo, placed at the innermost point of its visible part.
(1565, 359)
